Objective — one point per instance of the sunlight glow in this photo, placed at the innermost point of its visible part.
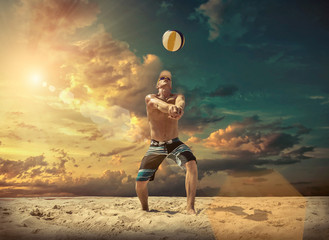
(36, 78)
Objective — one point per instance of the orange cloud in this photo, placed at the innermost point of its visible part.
(53, 20)
(116, 160)
(140, 129)
(99, 76)
(11, 169)
(250, 138)
(193, 139)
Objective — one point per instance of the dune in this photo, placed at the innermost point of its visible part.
(121, 218)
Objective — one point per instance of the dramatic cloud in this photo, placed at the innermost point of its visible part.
(98, 76)
(106, 70)
(115, 151)
(254, 138)
(250, 166)
(199, 112)
(169, 180)
(10, 169)
(140, 129)
(209, 166)
(110, 183)
(108, 84)
(212, 10)
(53, 20)
(251, 144)
(116, 160)
(224, 91)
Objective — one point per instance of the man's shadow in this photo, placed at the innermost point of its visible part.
(169, 212)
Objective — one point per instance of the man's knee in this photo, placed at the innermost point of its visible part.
(141, 184)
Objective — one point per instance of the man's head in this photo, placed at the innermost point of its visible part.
(164, 79)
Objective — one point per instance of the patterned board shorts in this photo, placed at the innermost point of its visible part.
(173, 149)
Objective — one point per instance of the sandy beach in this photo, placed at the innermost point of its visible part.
(121, 218)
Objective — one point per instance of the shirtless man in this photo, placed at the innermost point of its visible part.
(164, 109)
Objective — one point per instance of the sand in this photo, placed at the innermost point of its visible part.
(121, 218)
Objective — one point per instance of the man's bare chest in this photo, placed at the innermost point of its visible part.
(170, 100)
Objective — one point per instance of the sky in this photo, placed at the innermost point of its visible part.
(74, 76)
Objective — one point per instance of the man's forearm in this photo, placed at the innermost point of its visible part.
(180, 105)
(160, 105)
(180, 102)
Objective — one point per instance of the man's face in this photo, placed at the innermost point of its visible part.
(164, 79)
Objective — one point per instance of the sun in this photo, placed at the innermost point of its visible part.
(36, 78)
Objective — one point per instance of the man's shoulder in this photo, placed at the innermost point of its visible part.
(150, 95)
(176, 95)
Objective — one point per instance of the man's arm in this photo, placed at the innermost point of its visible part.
(180, 101)
(155, 103)
(178, 110)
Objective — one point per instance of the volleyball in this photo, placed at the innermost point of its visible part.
(173, 40)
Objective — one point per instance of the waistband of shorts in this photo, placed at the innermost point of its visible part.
(157, 143)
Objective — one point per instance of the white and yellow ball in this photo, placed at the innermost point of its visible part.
(173, 40)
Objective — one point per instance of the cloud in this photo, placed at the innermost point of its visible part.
(94, 136)
(253, 138)
(318, 153)
(164, 8)
(116, 160)
(234, 136)
(38, 178)
(44, 180)
(115, 151)
(10, 169)
(108, 84)
(54, 20)
(209, 166)
(199, 111)
(299, 153)
(169, 181)
(105, 70)
(251, 145)
(28, 126)
(224, 91)
(12, 135)
(110, 183)
(212, 10)
(302, 129)
(193, 139)
(138, 85)
(98, 76)
(111, 121)
(140, 129)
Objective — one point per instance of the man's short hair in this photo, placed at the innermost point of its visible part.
(165, 73)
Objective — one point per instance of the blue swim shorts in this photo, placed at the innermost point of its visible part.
(158, 151)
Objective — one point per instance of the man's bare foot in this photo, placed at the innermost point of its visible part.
(146, 209)
(191, 211)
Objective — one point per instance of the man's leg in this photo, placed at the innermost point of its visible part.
(142, 193)
(191, 184)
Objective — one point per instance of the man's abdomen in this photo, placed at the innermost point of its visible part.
(164, 130)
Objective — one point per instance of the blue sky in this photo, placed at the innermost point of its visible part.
(254, 74)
